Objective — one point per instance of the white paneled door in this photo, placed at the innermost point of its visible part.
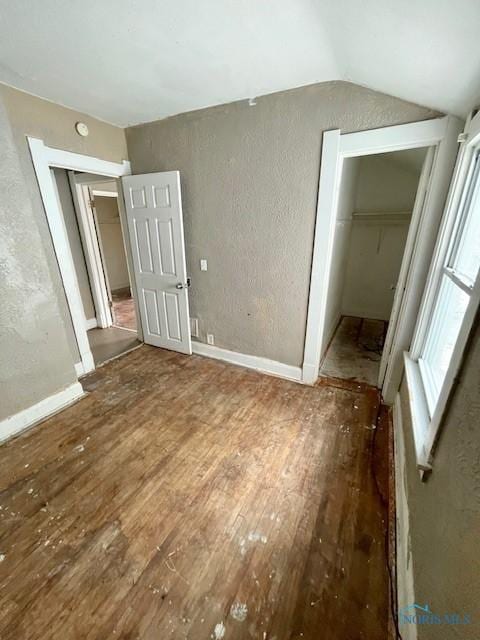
(154, 212)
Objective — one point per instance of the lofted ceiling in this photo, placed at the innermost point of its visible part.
(132, 61)
(410, 160)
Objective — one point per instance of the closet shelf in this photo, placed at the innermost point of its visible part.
(381, 215)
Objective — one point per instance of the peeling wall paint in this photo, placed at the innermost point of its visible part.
(36, 360)
(249, 179)
(444, 511)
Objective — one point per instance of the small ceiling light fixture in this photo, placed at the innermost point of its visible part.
(82, 129)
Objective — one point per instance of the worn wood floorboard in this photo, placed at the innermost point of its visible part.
(186, 498)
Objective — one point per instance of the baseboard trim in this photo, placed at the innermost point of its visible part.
(121, 288)
(366, 315)
(79, 369)
(272, 367)
(309, 373)
(91, 324)
(48, 406)
(404, 564)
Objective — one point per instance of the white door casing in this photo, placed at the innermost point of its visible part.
(43, 159)
(440, 133)
(401, 284)
(82, 199)
(153, 206)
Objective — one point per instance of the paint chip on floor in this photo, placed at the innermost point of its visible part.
(219, 631)
(254, 536)
(239, 611)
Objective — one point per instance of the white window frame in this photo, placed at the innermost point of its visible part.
(427, 420)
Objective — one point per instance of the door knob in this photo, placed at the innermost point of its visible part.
(186, 285)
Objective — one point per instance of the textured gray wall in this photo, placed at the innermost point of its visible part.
(445, 510)
(249, 184)
(33, 344)
(35, 357)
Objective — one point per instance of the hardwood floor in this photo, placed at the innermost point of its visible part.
(187, 498)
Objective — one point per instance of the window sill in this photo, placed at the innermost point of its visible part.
(419, 412)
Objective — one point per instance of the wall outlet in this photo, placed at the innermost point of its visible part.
(194, 327)
(210, 338)
(203, 265)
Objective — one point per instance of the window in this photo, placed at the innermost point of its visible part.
(450, 301)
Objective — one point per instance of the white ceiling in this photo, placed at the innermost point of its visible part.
(131, 61)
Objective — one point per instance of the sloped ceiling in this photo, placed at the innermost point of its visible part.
(132, 61)
(410, 160)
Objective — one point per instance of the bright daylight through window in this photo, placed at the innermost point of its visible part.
(454, 292)
(450, 303)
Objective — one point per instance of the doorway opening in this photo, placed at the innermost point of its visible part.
(90, 209)
(440, 137)
(376, 202)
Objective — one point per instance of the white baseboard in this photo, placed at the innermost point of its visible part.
(363, 313)
(43, 409)
(404, 563)
(264, 365)
(91, 324)
(120, 287)
(309, 373)
(79, 369)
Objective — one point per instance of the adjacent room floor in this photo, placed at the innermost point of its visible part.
(123, 308)
(106, 344)
(355, 350)
(188, 498)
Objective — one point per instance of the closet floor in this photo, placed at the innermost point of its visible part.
(355, 350)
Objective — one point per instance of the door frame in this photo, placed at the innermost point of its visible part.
(440, 133)
(80, 190)
(45, 158)
(416, 216)
(103, 260)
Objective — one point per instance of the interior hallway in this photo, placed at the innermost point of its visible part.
(123, 308)
(188, 498)
(109, 343)
(355, 350)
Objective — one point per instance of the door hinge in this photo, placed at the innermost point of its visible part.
(463, 137)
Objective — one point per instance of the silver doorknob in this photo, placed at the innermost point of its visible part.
(186, 285)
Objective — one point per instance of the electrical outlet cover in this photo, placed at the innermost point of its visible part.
(194, 327)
